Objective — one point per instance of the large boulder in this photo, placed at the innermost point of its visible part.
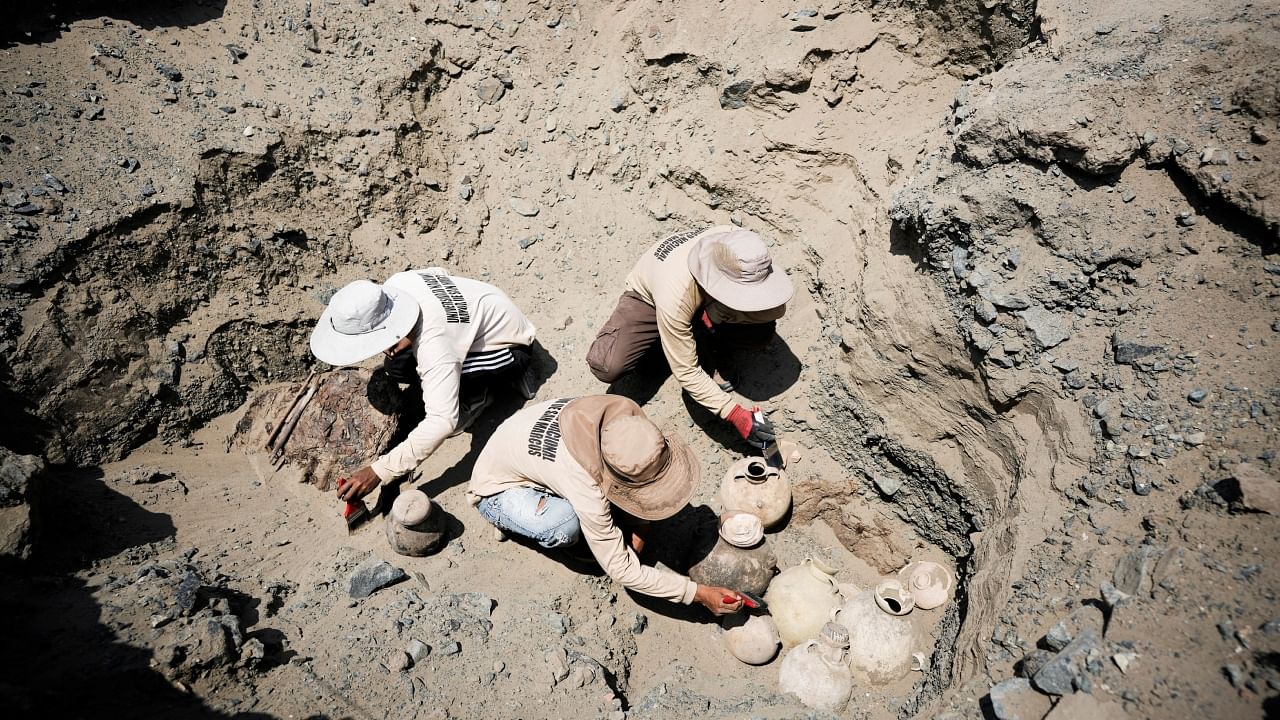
(20, 479)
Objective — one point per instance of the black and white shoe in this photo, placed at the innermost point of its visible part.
(471, 408)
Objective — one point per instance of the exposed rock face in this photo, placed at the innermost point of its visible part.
(20, 479)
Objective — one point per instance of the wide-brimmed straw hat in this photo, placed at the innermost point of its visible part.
(734, 267)
(363, 319)
(648, 474)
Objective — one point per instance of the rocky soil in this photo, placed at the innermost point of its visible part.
(1035, 248)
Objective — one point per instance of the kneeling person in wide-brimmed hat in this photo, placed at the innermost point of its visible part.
(720, 280)
(454, 336)
(571, 470)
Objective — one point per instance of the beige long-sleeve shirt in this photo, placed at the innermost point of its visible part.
(663, 280)
(459, 316)
(527, 450)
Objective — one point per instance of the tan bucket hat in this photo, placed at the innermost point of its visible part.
(361, 320)
(734, 267)
(649, 474)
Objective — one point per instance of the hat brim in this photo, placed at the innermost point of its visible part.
(337, 349)
(775, 290)
(668, 493)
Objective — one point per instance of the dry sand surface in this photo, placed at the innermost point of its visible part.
(1035, 253)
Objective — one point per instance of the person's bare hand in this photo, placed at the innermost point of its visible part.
(361, 483)
(720, 601)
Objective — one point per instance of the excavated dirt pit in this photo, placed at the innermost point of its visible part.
(1001, 306)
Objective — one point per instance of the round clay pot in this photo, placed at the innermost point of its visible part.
(801, 599)
(741, 559)
(893, 597)
(816, 671)
(415, 526)
(929, 583)
(752, 486)
(880, 644)
(753, 639)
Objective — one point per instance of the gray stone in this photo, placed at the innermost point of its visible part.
(523, 207)
(1197, 396)
(372, 575)
(985, 311)
(1133, 571)
(490, 90)
(1009, 302)
(960, 262)
(524, 243)
(453, 648)
(399, 661)
(1033, 661)
(1215, 156)
(311, 40)
(1259, 489)
(1047, 329)
(618, 101)
(1128, 352)
(639, 622)
(735, 96)
(1113, 597)
(169, 72)
(1085, 617)
(21, 479)
(886, 484)
(417, 650)
(252, 653)
(1015, 699)
(54, 183)
(1066, 671)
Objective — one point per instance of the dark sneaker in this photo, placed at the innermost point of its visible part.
(527, 384)
(469, 409)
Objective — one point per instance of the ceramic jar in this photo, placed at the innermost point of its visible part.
(816, 671)
(892, 597)
(752, 486)
(880, 644)
(928, 582)
(753, 639)
(741, 559)
(801, 599)
(415, 526)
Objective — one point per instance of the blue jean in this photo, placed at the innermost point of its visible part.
(516, 511)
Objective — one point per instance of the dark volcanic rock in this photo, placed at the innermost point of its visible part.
(372, 575)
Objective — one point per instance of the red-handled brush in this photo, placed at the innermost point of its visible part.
(356, 513)
(750, 600)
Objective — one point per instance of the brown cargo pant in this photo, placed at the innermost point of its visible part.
(633, 328)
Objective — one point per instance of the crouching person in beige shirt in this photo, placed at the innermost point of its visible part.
(557, 472)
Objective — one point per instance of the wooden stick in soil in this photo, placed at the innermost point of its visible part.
(271, 440)
(292, 420)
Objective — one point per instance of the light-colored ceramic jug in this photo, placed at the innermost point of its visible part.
(928, 582)
(816, 672)
(801, 599)
(415, 526)
(880, 644)
(742, 558)
(752, 486)
(753, 639)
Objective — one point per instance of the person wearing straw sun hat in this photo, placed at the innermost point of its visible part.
(719, 282)
(592, 470)
(454, 337)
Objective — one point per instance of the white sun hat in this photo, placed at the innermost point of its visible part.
(362, 319)
(734, 267)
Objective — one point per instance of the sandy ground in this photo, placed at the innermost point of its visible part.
(985, 212)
